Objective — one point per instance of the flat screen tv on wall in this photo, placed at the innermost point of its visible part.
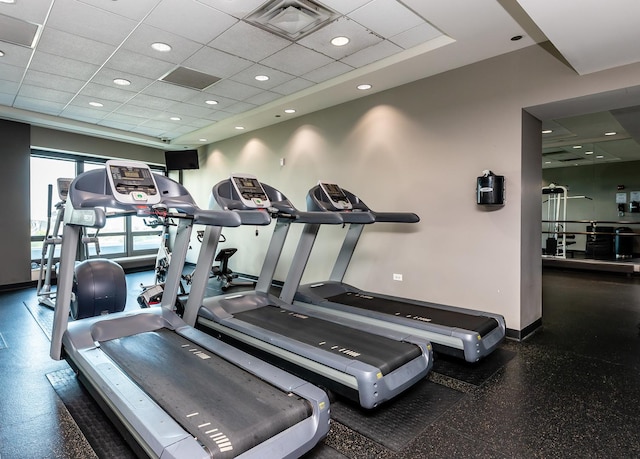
(181, 159)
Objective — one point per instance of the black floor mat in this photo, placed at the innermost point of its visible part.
(94, 424)
(472, 373)
(43, 316)
(398, 422)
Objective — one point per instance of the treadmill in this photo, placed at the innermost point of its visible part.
(454, 331)
(173, 391)
(368, 367)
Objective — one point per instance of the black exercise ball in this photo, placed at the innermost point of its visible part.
(99, 287)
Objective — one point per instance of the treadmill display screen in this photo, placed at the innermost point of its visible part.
(249, 188)
(131, 179)
(336, 195)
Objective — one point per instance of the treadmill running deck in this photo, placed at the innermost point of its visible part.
(480, 324)
(378, 351)
(184, 379)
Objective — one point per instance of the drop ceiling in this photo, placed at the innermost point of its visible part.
(61, 57)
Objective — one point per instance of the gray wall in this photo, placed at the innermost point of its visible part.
(427, 141)
(17, 139)
(14, 177)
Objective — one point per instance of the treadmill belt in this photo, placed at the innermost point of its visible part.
(480, 324)
(383, 353)
(226, 408)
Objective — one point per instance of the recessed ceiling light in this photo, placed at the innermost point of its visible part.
(7, 1)
(289, 110)
(162, 47)
(121, 82)
(96, 104)
(1, 53)
(588, 152)
(339, 41)
(599, 156)
(261, 77)
(211, 102)
(364, 87)
(610, 133)
(577, 146)
(202, 140)
(547, 162)
(239, 128)
(175, 118)
(547, 131)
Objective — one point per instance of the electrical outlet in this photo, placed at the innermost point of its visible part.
(397, 277)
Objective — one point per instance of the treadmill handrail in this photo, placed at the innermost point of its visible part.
(361, 213)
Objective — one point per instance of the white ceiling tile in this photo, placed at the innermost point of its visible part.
(31, 11)
(148, 130)
(15, 54)
(136, 10)
(6, 99)
(263, 98)
(48, 94)
(199, 123)
(170, 91)
(232, 90)
(293, 86)
(416, 36)
(216, 63)
(239, 107)
(190, 110)
(138, 64)
(9, 87)
(122, 118)
(47, 80)
(38, 105)
(108, 93)
(58, 65)
(296, 60)
(83, 102)
(105, 77)
(218, 115)
(248, 41)
(359, 36)
(344, 6)
(248, 75)
(116, 125)
(89, 22)
(327, 72)
(163, 124)
(201, 98)
(372, 54)
(152, 102)
(81, 49)
(82, 114)
(190, 19)
(141, 39)
(238, 9)
(386, 17)
(11, 72)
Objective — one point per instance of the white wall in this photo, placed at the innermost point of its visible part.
(419, 148)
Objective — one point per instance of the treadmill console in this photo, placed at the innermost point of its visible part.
(63, 188)
(132, 182)
(250, 191)
(336, 196)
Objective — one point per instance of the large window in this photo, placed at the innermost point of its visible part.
(121, 237)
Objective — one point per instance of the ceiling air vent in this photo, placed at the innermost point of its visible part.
(292, 19)
(190, 78)
(17, 31)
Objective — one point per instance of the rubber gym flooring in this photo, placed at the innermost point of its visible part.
(570, 390)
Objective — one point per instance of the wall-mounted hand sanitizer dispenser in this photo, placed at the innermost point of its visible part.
(490, 189)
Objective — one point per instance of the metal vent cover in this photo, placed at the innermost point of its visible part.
(189, 78)
(291, 19)
(17, 31)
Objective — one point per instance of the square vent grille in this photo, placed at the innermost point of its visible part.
(17, 31)
(292, 19)
(190, 78)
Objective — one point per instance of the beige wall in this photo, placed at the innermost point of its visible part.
(419, 148)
